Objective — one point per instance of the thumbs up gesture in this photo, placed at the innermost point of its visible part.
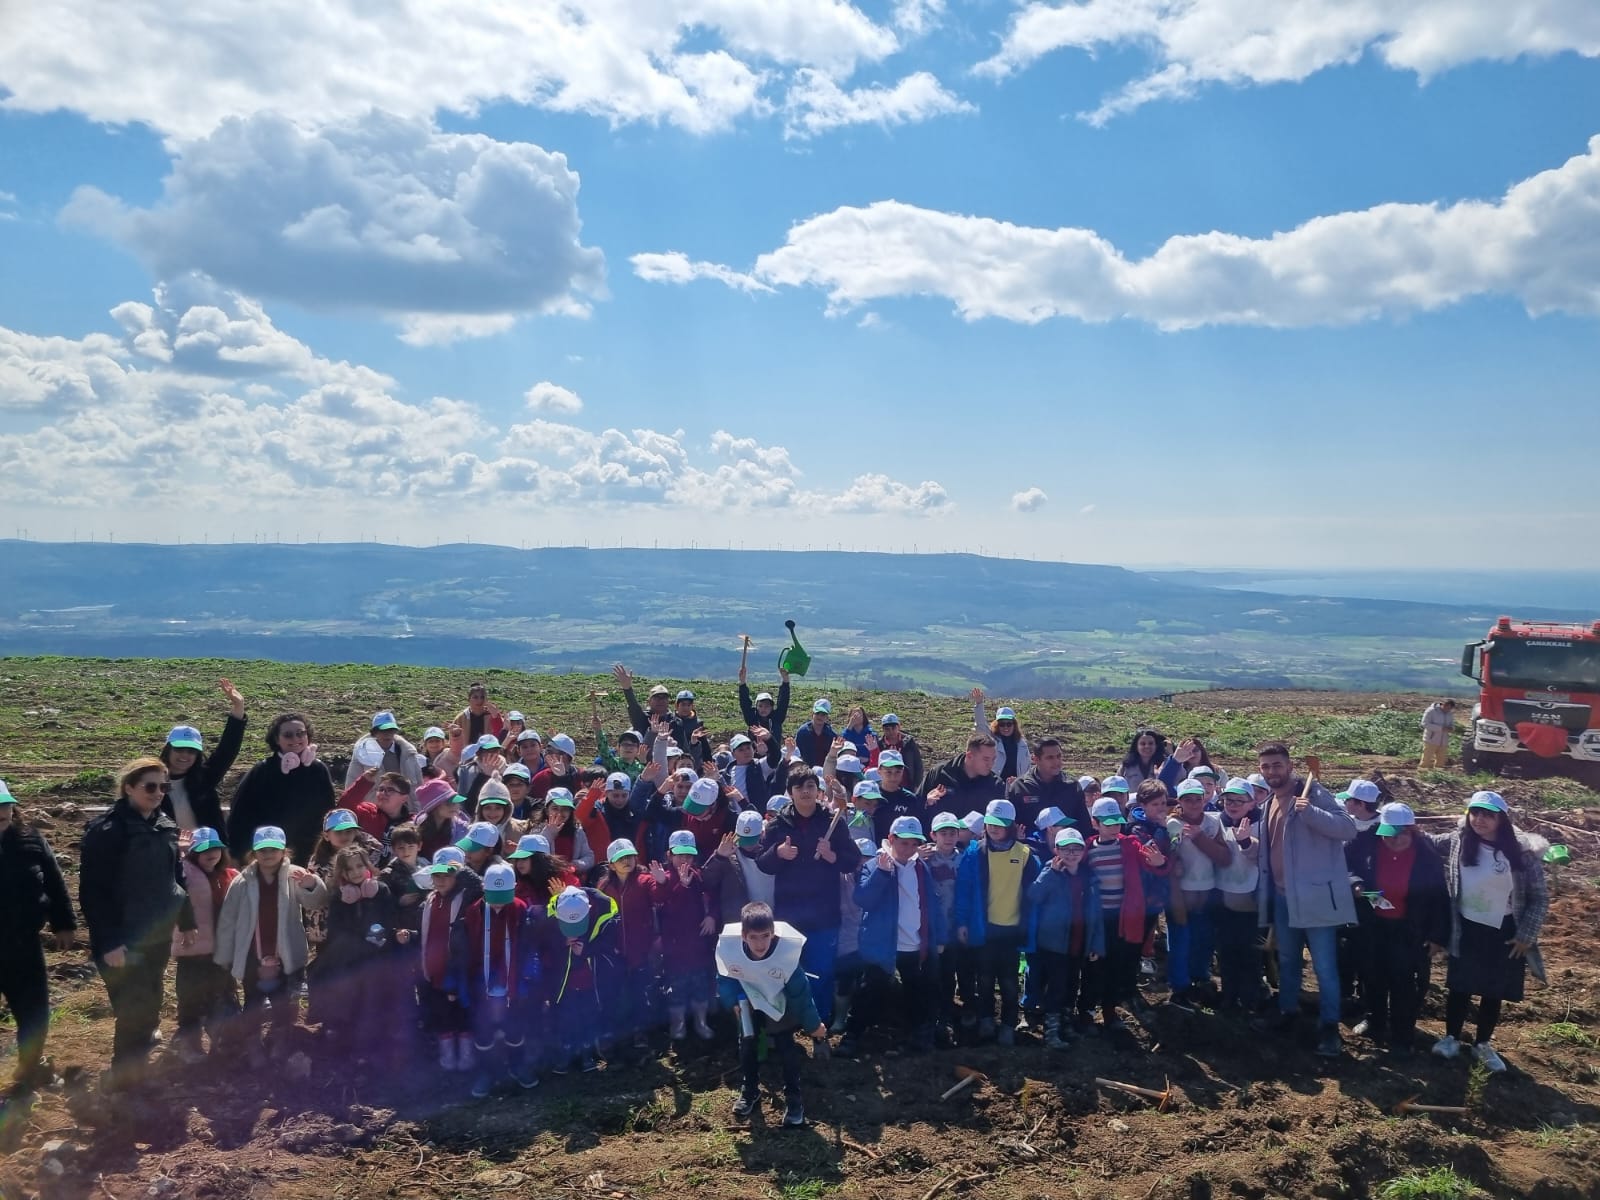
(788, 851)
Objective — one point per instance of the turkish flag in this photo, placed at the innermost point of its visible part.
(1547, 741)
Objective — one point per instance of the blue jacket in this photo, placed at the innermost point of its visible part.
(878, 897)
(972, 890)
(814, 749)
(1050, 912)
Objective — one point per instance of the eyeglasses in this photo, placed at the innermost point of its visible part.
(387, 789)
(147, 786)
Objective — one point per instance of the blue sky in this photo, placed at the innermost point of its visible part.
(1144, 281)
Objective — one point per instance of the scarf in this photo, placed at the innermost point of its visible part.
(289, 761)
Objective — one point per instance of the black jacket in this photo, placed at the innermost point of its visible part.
(780, 711)
(1031, 796)
(295, 802)
(911, 753)
(31, 888)
(806, 888)
(1427, 899)
(207, 774)
(346, 945)
(901, 803)
(962, 795)
(130, 880)
(765, 778)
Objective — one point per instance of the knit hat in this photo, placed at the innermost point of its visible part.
(431, 793)
(494, 792)
(946, 820)
(1000, 812)
(702, 797)
(572, 911)
(1050, 816)
(339, 819)
(682, 842)
(204, 838)
(1392, 818)
(500, 884)
(480, 836)
(530, 844)
(185, 737)
(907, 827)
(748, 828)
(561, 798)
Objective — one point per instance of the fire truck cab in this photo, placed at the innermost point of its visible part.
(1538, 709)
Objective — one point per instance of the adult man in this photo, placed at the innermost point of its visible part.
(1438, 722)
(896, 798)
(1044, 786)
(815, 738)
(399, 755)
(807, 850)
(660, 701)
(766, 712)
(756, 771)
(902, 744)
(967, 782)
(1304, 892)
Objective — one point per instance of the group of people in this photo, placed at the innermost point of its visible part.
(528, 914)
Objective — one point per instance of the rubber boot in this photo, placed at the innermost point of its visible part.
(841, 1010)
(1052, 1033)
(466, 1059)
(675, 1028)
(701, 1029)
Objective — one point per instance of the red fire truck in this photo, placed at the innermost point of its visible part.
(1538, 709)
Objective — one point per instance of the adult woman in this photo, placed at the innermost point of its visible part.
(1498, 901)
(130, 888)
(194, 776)
(1146, 753)
(288, 789)
(31, 893)
(1012, 759)
(858, 732)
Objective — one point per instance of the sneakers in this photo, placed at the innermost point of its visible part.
(745, 1105)
(794, 1113)
(524, 1076)
(1486, 1055)
(1447, 1047)
(1006, 1037)
(1329, 1044)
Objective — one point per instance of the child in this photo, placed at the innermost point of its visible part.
(494, 928)
(957, 969)
(1200, 852)
(261, 938)
(991, 885)
(408, 889)
(565, 835)
(1150, 820)
(206, 993)
(537, 868)
(758, 961)
(732, 874)
(687, 926)
(587, 974)
(340, 830)
(634, 893)
(847, 964)
(496, 804)
(443, 958)
(1238, 939)
(1064, 910)
(1124, 868)
(1355, 942)
(346, 980)
(439, 818)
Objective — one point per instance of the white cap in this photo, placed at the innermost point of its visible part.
(564, 744)
(1106, 809)
(1395, 816)
(749, 824)
(737, 740)
(433, 731)
(572, 906)
(482, 836)
(973, 821)
(618, 779)
(1050, 816)
(1085, 782)
(767, 696)
(620, 848)
(1258, 780)
(822, 706)
(1069, 837)
(1000, 812)
(500, 877)
(849, 764)
(1365, 791)
(1114, 783)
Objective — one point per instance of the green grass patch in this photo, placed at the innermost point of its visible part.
(1564, 1033)
(801, 1187)
(1441, 1183)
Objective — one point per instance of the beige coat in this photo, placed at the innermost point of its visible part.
(236, 927)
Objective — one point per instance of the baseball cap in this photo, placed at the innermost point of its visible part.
(185, 737)
(488, 742)
(748, 827)
(572, 911)
(775, 803)
(1394, 817)
(822, 706)
(685, 773)
(514, 771)
(620, 849)
(1493, 801)
(384, 720)
(1191, 787)
(269, 837)
(1108, 812)
(494, 792)
(1115, 783)
(1050, 816)
(480, 836)
(848, 764)
(446, 860)
(618, 781)
(630, 735)
(702, 797)
(867, 790)
(1005, 714)
(1258, 780)
(946, 820)
(1202, 772)
(891, 758)
(1363, 790)
(767, 696)
(686, 694)
(973, 821)
(433, 731)
(738, 740)
(1238, 786)
(514, 715)
(530, 735)
(561, 798)
(999, 812)
(682, 842)
(338, 819)
(1088, 783)
(564, 744)
(530, 844)
(204, 838)
(1069, 837)
(907, 827)
(889, 719)
(660, 689)
(500, 884)
(674, 751)
(5, 794)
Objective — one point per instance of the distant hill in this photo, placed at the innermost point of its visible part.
(940, 622)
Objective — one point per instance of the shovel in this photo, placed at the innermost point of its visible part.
(966, 1077)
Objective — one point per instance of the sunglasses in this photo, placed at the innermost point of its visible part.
(147, 786)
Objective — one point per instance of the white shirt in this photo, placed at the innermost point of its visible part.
(757, 882)
(1486, 888)
(1199, 872)
(741, 772)
(909, 922)
(182, 810)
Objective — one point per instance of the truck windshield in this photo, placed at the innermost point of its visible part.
(1559, 663)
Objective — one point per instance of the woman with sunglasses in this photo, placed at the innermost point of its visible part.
(290, 789)
(1012, 760)
(130, 888)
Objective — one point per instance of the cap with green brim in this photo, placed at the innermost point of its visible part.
(561, 798)
(447, 860)
(702, 797)
(185, 737)
(682, 842)
(946, 820)
(5, 794)
(620, 849)
(205, 838)
(500, 884)
(1490, 801)
(269, 837)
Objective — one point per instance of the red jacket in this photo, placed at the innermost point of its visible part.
(1130, 922)
(505, 935)
(710, 828)
(683, 907)
(636, 904)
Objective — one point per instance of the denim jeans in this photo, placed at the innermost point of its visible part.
(1324, 946)
(1190, 946)
(817, 959)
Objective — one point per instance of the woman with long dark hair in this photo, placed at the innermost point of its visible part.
(1498, 901)
(289, 789)
(1147, 751)
(193, 776)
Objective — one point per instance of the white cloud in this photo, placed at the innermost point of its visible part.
(815, 103)
(1031, 500)
(1087, 509)
(182, 69)
(1200, 42)
(1539, 245)
(202, 404)
(547, 397)
(433, 329)
(384, 215)
(676, 267)
(915, 18)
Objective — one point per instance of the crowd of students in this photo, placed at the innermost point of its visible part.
(528, 915)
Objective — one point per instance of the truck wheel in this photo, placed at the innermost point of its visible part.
(1469, 757)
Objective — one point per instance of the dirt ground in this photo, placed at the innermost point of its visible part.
(1251, 1115)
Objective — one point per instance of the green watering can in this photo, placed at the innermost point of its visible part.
(1557, 854)
(794, 659)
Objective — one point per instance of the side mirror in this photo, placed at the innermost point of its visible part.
(1469, 659)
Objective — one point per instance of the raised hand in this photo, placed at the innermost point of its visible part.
(621, 675)
(743, 674)
(788, 851)
(783, 675)
(653, 771)
(658, 872)
(1242, 831)
(976, 695)
(235, 700)
(885, 859)
(728, 846)
(1188, 751)
(872, 741)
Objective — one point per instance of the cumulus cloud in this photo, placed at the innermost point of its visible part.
(1239, 42)
(201, 402)
(1031, 500)
(916, 18)
(816, 103)
(383, 215)
(697, 64)
(676, 267)
(1539, 244)
(547, 397)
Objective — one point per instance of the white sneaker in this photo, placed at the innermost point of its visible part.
(1447, 1047)
(1488, 1057)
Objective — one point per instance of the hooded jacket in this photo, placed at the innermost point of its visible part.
(877, 893)
(32, 890)
(1317, 891)
(972, 890)
(130, 879)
